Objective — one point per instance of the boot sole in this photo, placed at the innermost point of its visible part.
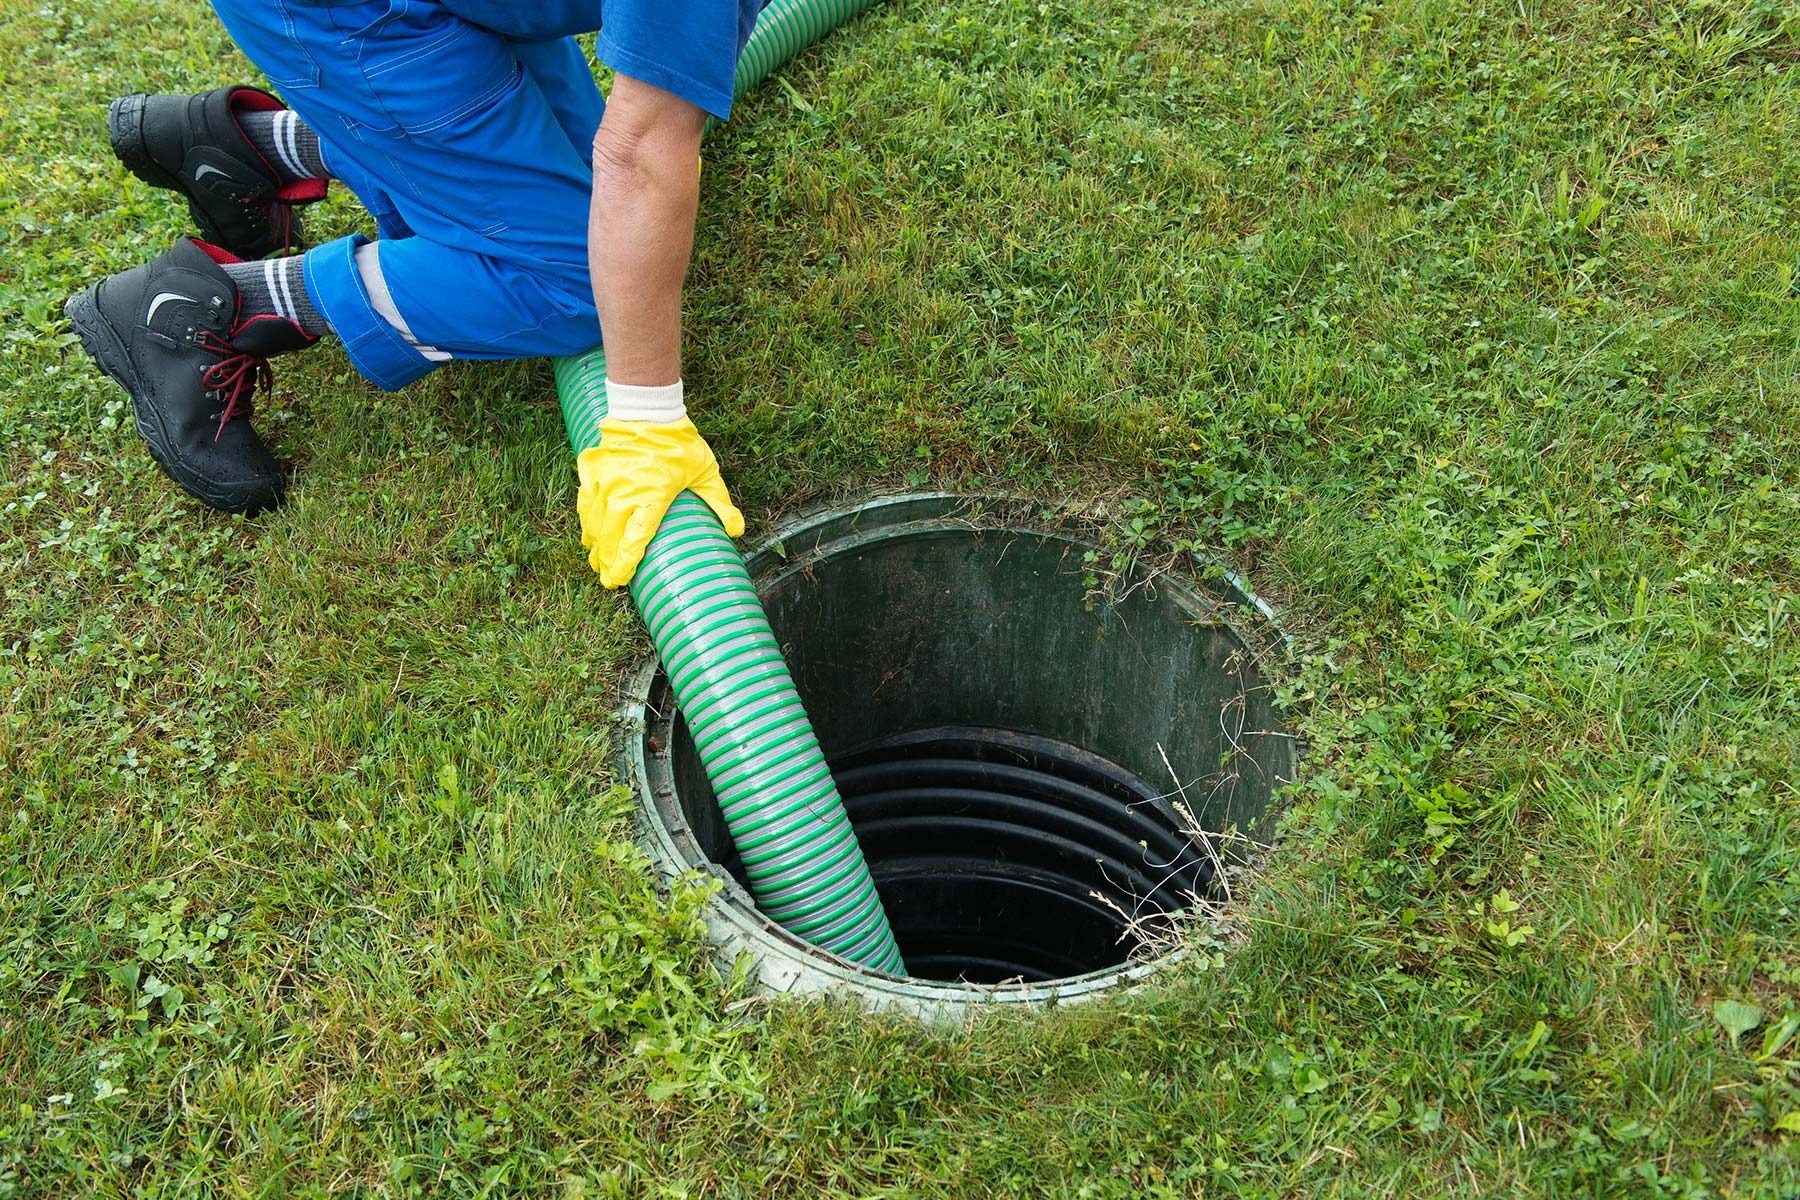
(125, 132)
(108, 351)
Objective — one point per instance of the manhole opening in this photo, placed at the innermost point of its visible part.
(1042, 779)
(1004, 856)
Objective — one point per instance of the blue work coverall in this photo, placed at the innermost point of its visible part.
(466, 128)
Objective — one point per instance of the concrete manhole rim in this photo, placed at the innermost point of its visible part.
(785, 964)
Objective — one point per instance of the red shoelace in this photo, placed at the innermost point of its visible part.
(284, 216)
(237, 374)
(281, 216)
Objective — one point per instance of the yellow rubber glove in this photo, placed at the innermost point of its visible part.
(628, 482)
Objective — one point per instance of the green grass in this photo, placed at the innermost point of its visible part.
(1467, 330)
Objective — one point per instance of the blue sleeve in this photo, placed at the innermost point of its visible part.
(689, 47)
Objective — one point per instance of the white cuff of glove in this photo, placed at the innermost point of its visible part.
(658, 405)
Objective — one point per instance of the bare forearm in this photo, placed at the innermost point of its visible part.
(641, 228)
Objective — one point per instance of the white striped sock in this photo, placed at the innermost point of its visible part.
(277, 287)
(291, 146)
(278, 136)
(286, 143)
(270, 271)
(285, 298)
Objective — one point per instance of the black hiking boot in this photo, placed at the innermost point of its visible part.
(193, 145)
(169, 333)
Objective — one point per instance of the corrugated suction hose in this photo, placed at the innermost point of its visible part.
(786, 818)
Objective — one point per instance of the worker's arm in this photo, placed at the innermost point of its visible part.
(641, 227)
(640, 236)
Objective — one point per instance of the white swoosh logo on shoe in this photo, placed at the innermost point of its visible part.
(201, 170)
(158, 302)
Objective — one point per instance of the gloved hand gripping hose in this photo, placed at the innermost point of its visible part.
(806, 870)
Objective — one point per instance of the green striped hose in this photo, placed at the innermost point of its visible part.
(800, 854)
(785, 28)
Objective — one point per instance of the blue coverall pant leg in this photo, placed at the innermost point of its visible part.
(471, 148)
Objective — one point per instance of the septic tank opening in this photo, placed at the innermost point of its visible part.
(1042, 775)
(1004, 855)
